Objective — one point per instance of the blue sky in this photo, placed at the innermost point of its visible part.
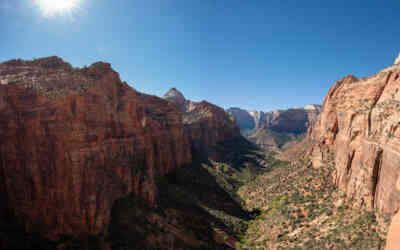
(251, 54)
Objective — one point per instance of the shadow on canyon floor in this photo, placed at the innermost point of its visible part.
(197, 208)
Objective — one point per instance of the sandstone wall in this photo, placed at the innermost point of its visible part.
(206, 125)
(359, 125)
(74, 141)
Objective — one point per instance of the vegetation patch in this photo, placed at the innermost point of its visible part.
(301, 209)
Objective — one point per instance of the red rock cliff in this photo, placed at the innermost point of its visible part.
(360, 125)
(206, 124)
(75, 140)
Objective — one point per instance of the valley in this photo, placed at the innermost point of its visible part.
(300, 208)
(87, 162)
(199, 125)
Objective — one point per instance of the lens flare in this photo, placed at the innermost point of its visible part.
(51, 8)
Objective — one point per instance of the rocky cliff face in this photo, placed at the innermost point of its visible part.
(276, 128)
(359, 125)
(262, 118)
(176, 97)
(243, 118)
(295, 120)
(74, 141)
(206, 124)
(248, 120)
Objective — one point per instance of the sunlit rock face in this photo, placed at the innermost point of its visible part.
(73, 141)
(393, 237)
(176, 97)
(244, 118)
(397, 61)
(272, 130)
(205, 124)
(290, 120)
(360, 124)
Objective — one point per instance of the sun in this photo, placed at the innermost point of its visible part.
(50, 8)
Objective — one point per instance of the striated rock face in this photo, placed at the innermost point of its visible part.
(73, 141)
(293, 120)
(250, 120)
(206, 124)
(261, 118)
(360, 125)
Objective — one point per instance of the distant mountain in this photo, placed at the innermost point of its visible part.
(244, 119)
(274, 129)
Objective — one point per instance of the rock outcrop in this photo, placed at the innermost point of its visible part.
(397, 61)
(176, 97)
(74, 141)
(359, 125)
(206, 124)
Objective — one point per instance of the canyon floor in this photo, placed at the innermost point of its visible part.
(251, 199)
(287, 204)
(296, 206)
(301, 209)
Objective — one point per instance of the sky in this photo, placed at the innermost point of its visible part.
(253, 54)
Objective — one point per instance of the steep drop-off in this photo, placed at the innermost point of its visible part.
(87, 162)
(359, 124)
(75, 141)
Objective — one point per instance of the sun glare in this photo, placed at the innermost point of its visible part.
(50, 8)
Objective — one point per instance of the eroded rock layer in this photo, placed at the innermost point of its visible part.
(73, 141)
(206, 124)
(359, 124)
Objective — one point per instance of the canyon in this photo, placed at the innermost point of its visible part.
(76, 143)
(88, 162)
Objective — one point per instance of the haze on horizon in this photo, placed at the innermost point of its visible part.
(255, 55)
